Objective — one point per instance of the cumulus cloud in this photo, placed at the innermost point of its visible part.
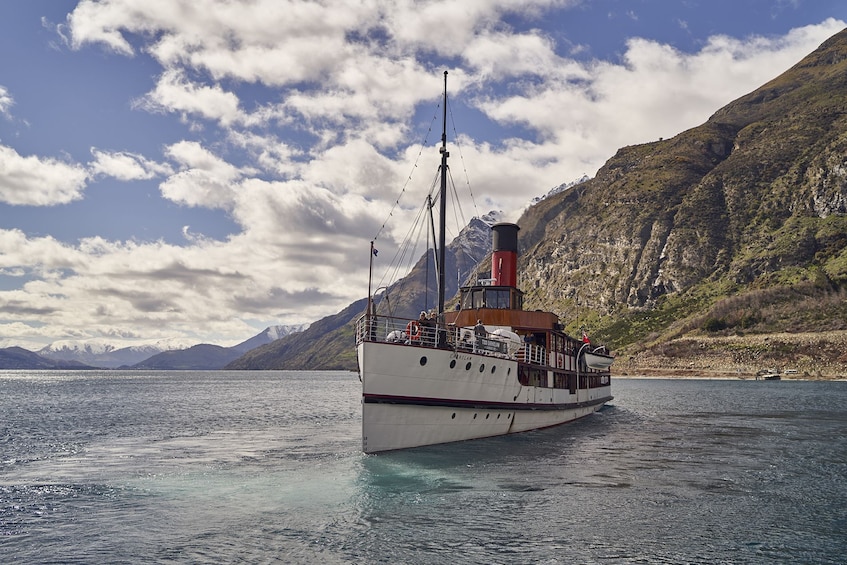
(175, 93)
(125, 166)
(37, 181)
(204, 179)
(157, 290)
(363, 55)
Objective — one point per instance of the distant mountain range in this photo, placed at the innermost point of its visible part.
(161, 355)
(206, 357)
(20, 358)
(102, 353)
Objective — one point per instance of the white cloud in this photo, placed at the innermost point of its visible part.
(6, 102)
(204, 179)
(156, 290)
(99, 22)
(269, 152)
(363, 55)
(272, 42)
(37, 181)
(497, 55)
(175, 93)
(125, 166)
(657, 91)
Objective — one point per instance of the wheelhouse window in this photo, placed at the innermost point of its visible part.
(501, 298)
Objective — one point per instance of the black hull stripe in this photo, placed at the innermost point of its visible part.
(476, 404)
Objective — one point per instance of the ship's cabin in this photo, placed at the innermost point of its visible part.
(485, 295)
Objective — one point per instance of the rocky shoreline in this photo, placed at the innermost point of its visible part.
(795, 356)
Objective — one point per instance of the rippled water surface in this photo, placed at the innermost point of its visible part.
(263, 467)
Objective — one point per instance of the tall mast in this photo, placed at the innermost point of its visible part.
(442, 205)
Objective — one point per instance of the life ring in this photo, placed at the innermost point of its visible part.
(413, 330)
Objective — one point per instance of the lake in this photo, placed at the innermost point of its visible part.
(266, 467)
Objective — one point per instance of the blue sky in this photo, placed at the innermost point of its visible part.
(198, 170)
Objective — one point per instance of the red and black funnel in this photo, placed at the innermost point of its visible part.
(504, 259)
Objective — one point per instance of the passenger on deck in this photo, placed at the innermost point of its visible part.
(479, 330)
(428, 327)
(413, 329)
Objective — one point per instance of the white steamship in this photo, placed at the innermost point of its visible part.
(487, 368)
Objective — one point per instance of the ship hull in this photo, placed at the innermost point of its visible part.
(415, 396)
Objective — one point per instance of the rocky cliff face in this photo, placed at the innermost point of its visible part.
(752, 198)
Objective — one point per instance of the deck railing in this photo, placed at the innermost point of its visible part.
(530, 353)
(388, 329)
(407, 331)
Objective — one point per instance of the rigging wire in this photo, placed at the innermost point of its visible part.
(458, 212)
(409, 178)
(407, 252)
(462, 159)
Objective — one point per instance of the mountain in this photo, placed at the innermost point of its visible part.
(268, 335)
(737, 226)
(202, 357)
(20, 358)
(328, 343)
(179, 353)
(324, 345)
(102, 353)
(205, 357)
(561, 188)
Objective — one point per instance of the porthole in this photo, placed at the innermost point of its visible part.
(487, 415)
(508, 371)
(423, 360)
(482, 367)
(452, 363)
(508, 416)
(474, 416)
(453, 417)
(498, 416)
(468, 366)
(493, 368)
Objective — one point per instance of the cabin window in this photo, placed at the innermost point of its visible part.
(501, 298)
(530, 376)
(478, 298)
(498, 299)
(557, 343)
(560, 380)
(523, 375)
(517, 301)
